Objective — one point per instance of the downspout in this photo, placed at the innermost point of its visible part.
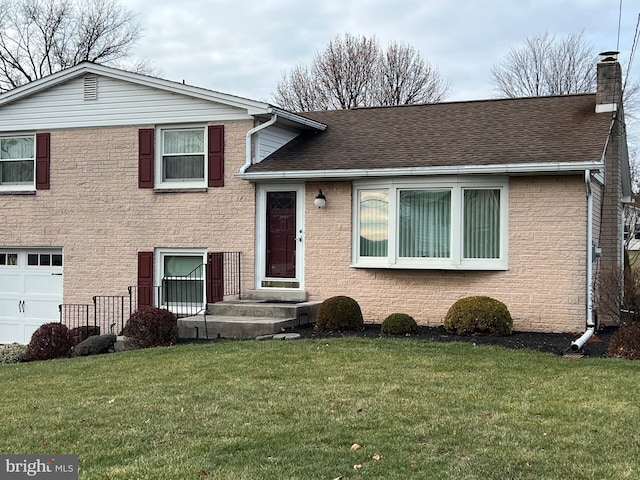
(248, 161)
(591, 326)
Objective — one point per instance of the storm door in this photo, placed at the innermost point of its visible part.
(281, 237)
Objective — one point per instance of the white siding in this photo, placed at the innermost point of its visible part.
(271, 139)
(118, 103)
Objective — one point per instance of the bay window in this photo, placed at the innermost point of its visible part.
(445, 223)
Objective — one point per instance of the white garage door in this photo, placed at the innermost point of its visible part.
(30, 291)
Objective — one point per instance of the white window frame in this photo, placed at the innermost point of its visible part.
(160, 183)
(23, 186)
(159, 256)
(456, 260)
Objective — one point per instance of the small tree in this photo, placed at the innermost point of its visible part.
(353, 71)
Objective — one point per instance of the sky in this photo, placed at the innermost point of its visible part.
(244, 47)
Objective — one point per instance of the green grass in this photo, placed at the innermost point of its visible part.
(292, 410)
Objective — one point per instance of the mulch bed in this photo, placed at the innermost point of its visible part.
(556, 343)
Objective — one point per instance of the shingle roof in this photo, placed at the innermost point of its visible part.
(488, 132)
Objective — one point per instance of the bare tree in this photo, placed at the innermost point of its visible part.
(546, 65)
(404, 77)
(355, 72)
(41, 37)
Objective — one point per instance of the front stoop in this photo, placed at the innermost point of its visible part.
(244, 319)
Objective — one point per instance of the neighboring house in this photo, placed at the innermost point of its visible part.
(110, 179)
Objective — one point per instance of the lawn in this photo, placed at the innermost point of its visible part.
(294, 409)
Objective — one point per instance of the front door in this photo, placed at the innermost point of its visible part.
(280, 237)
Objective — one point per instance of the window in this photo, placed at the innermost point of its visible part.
(182, 278)
(17, 161)
(8, 259)
(44, 260)
(182, 157)
(445, 223)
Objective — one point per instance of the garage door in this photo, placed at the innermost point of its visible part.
(30, 291)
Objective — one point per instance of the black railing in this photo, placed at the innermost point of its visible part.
(111, 312)
(185, 296)
(77, 316)
(232, 274)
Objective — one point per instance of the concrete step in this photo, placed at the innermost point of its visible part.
(305, 311)
(232, 326)
(277, 295)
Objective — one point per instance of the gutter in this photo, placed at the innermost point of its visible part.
(577, 344)
(513, 169)
(248, 161)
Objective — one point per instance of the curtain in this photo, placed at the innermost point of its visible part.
(374, 223)
(183, 154)
(425, 224)
(481, 224)
(17, 155)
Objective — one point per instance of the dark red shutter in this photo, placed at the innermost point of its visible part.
(215, 277)
(216, 156)
(43, 161)
(145, 279)
(146, 157)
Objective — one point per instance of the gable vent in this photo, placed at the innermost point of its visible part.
(91, 87)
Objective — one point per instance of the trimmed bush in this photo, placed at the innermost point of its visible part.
(625, 342)
(51, 340)
(478, 315)
(151, 327)
(399, 324)
(339, 314)
(12, 353)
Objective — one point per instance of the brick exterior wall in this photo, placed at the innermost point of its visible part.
(544, 288)
(97, 213)
(609, 268)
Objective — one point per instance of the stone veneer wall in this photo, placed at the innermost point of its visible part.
(98, 215)
(544, 287)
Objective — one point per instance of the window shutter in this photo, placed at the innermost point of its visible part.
(43, 162)
(215, 277)
(145, 279)
(146, 157)
(216, 155)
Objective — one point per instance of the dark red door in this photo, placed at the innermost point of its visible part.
(281, 234)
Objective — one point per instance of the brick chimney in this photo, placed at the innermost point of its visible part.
(609, 83)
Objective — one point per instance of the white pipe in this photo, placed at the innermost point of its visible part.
(248, 161)
(587, 179)
(579, 343)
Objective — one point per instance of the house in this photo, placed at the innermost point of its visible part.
(110, 179)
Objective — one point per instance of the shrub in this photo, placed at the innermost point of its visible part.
(340, 314)
(399, 324)
(12, 353)
(51, 340)
(625, 342)
(152, 327)
(479, 314)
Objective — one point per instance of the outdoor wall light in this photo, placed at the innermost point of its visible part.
(320, 200)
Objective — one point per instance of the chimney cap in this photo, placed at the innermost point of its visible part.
(610, 56)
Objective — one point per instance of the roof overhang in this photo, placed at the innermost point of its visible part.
(252, 107)
(501, 169)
